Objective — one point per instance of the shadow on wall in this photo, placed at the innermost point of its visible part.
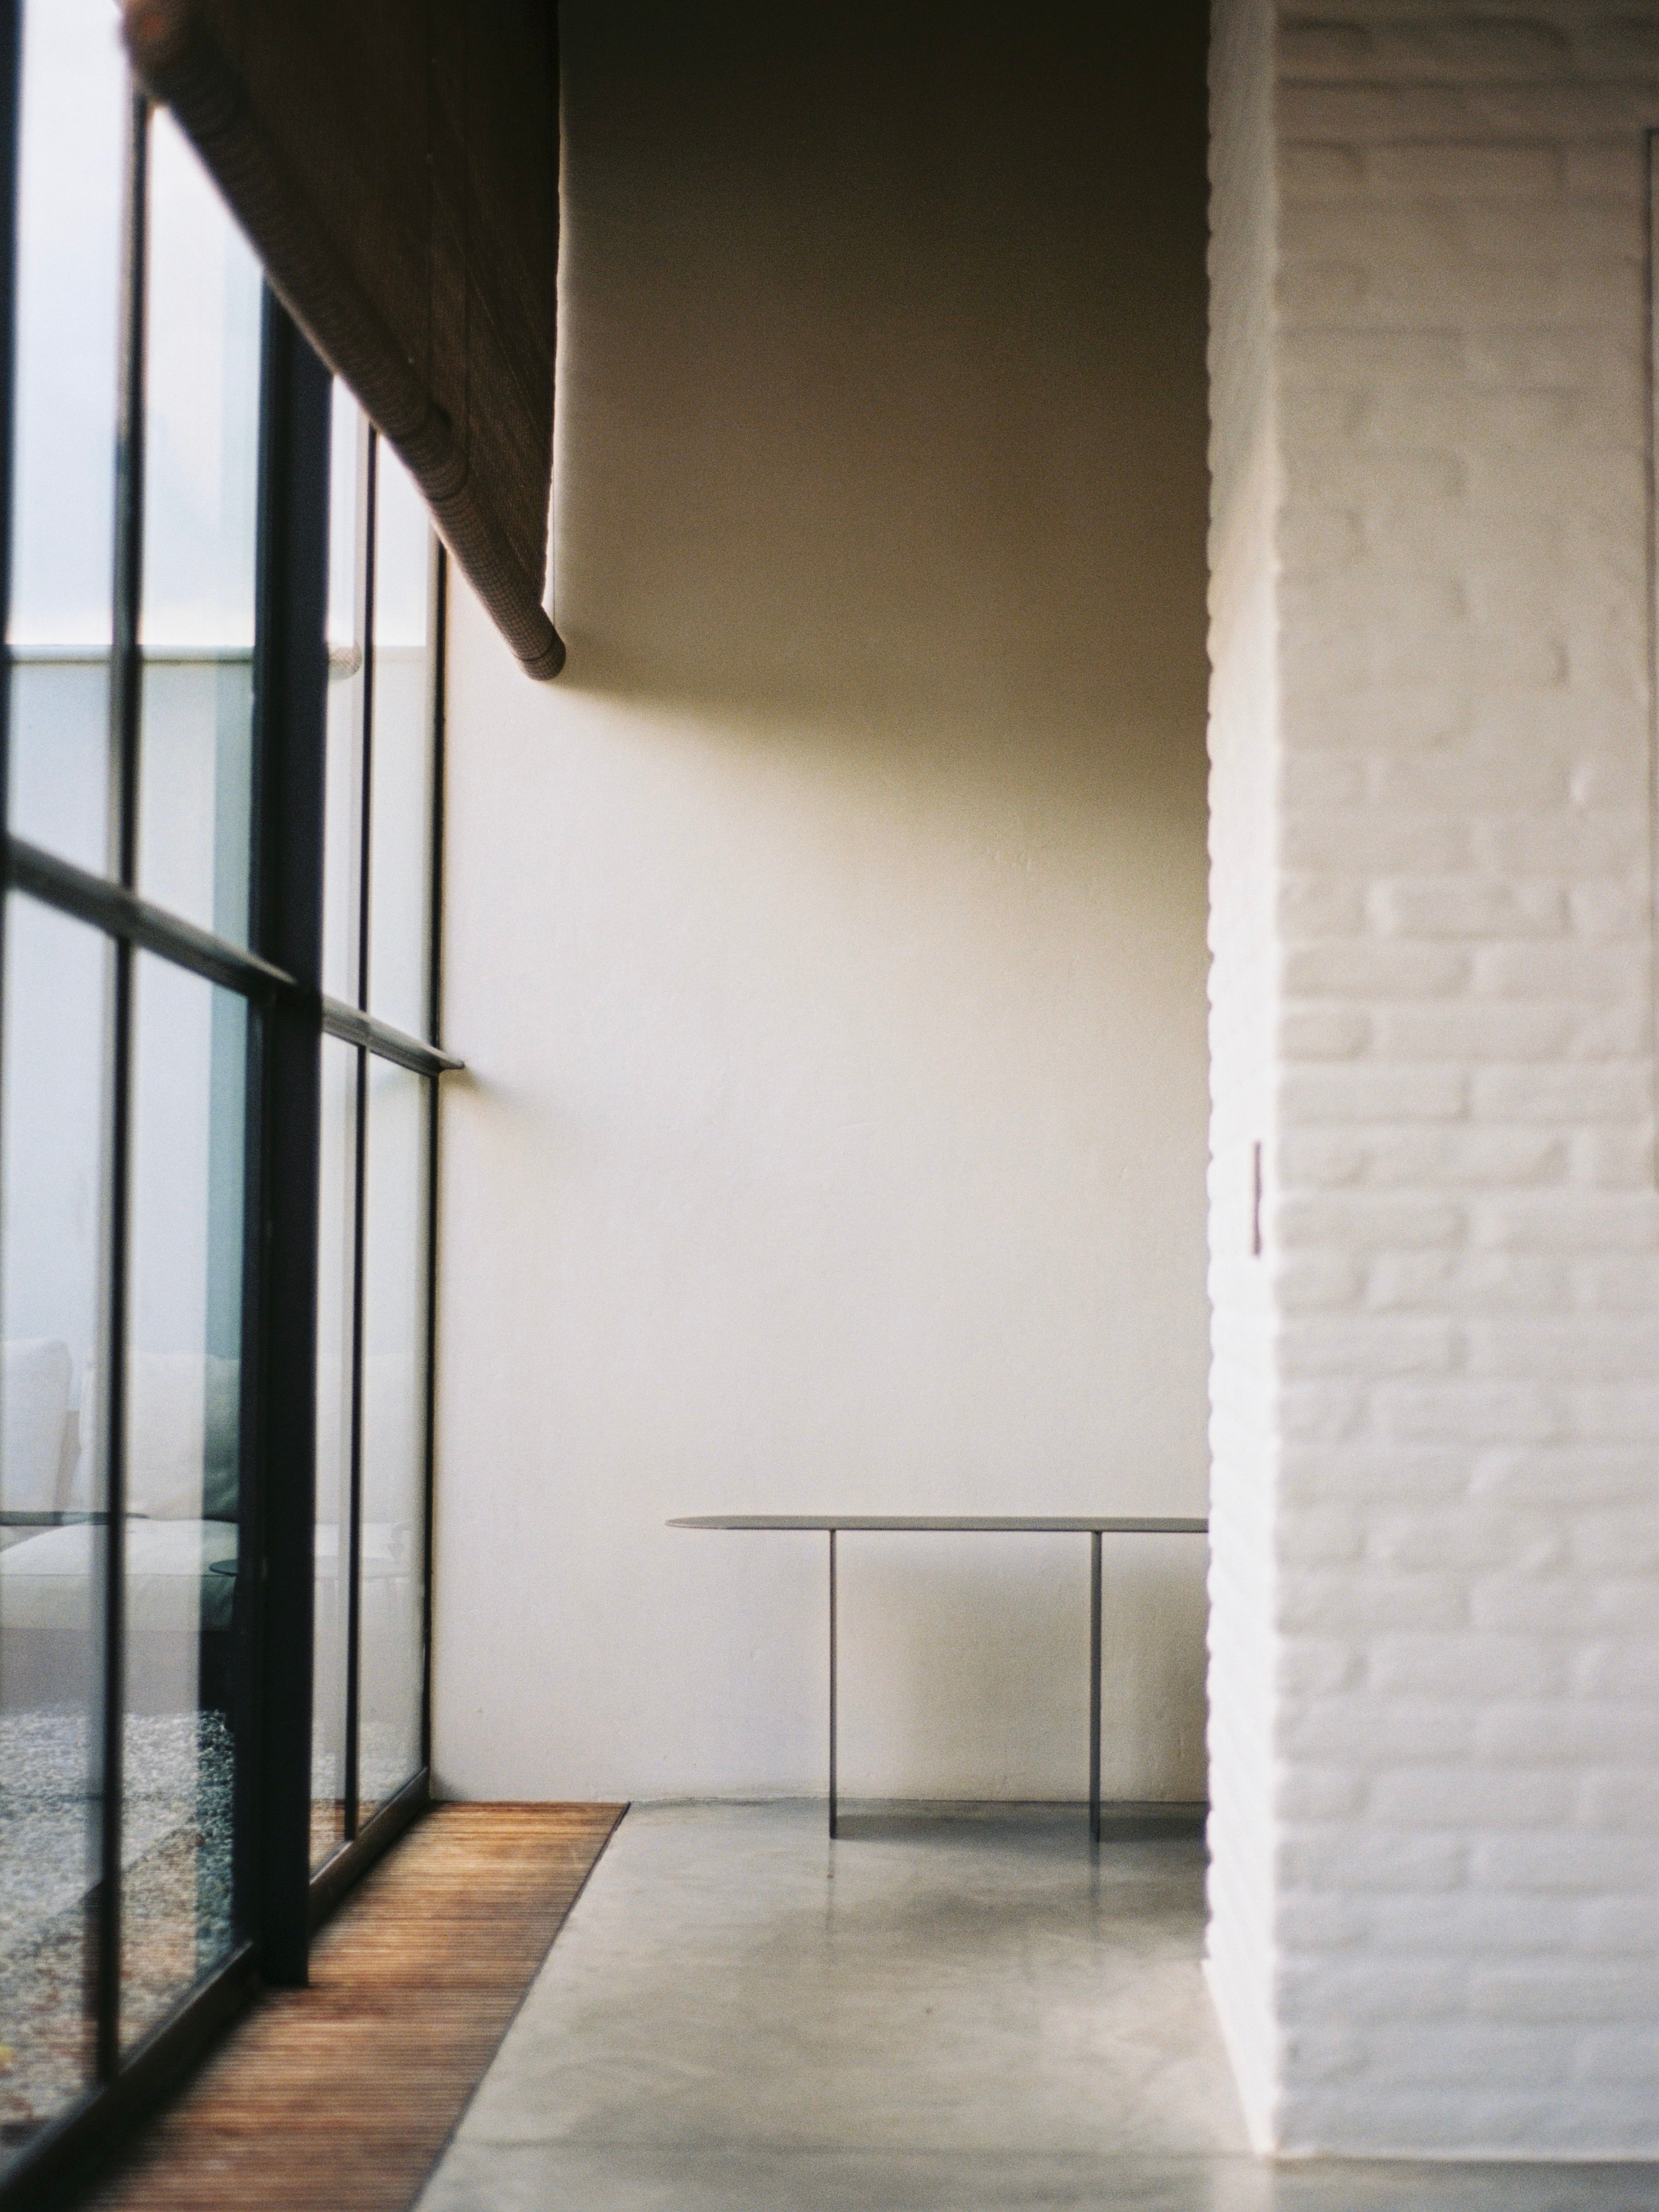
(885, 405)
(828, 941)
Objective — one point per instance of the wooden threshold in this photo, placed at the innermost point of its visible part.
(346, 2092)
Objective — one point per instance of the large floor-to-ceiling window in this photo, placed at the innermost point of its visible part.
(383, 592)
(218, 1109)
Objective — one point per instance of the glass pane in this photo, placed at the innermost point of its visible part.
(400, 775)
(201, 499)
(183, 1431)
(202, 409)
(69, 249)
(196, 790)
(60, 781)
(336, 1249)
(52, 1555)
(394, 1432)
(344, 831)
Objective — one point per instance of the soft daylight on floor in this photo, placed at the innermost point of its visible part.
(343, 2093)
(937, 2012)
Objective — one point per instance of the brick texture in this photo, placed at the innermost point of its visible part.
(1435, 1642)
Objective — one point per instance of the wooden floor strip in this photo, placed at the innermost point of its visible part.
(343, 2095)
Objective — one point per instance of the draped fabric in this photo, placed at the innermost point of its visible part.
(395, 164)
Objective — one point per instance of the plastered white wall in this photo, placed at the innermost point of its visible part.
(1452, 1584)
(827, 946)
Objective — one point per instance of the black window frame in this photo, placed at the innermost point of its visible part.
(278, 975)
(370, 1037)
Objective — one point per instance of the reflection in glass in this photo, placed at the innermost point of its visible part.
(394, 1432)
(53, 1557)
(69, 247)
(347, 582)
(183, 1430)
(201, 497)
(401, 763)
(336, 1248)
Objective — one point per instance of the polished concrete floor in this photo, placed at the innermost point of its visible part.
(947, 2015)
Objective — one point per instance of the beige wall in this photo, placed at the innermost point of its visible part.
(827, 946)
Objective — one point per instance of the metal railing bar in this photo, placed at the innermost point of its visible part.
(124, 915)
(131, 920)
(387, 1043)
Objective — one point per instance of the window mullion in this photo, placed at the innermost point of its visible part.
(439, 634)
(354, 1511)
(126, 671)
(125, 695)
(366, 521)
(279, 1513)
(366, 508)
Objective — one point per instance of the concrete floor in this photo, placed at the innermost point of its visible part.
(948, 2015)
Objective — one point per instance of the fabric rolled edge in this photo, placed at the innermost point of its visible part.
(181, 66)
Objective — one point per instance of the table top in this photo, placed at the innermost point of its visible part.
(1031, 1524)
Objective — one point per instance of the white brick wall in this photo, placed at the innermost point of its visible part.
(1436, 1645)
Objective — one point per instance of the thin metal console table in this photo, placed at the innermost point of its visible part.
(1092, 1526)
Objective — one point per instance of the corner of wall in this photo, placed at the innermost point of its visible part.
(1243, 721)
(1434, 1563)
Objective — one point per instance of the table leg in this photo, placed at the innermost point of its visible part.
(1094, 1685)
(832, 1684)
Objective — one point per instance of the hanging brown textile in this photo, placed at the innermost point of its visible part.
(396, 166)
